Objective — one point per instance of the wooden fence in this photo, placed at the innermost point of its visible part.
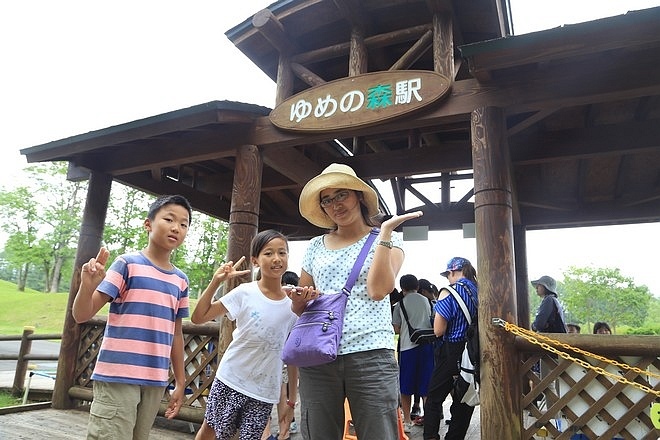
(201, 354)
(607, 396)
(566, 393)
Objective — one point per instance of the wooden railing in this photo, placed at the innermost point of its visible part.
(24, 355)
(201, 354)
(565, 397)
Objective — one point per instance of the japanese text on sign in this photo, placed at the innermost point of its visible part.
(378, 96)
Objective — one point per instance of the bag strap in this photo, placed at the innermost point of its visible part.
(470, 294)
(555, 301)
(405, 315)
(359, 262)
(461, 303)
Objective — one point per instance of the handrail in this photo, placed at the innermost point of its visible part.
(24, 355)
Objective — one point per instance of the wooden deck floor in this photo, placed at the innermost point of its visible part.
(53, 424)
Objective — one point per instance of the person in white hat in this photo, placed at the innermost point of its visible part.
(366, 370)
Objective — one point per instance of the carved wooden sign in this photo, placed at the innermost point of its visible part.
(368, 99)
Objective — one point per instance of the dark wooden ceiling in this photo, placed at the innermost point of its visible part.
(582, 105)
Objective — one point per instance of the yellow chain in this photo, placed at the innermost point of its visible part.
(544, 341)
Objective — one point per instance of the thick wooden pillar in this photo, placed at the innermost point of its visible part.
(89, 242)
(243, 220)
(500, 384)
(522, 278)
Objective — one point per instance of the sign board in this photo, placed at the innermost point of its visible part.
(357, 101)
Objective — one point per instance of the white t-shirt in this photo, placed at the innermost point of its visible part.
(367, 323)
(252, 364)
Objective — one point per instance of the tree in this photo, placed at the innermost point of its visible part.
(604, 294)
(124, 225)
(43, 220)
(20, 221)
(208, 244)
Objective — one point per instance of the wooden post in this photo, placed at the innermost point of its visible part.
(522, 278)
(243, 220)
(443, 45)
(500, 385)
(89, 242)
(21, 363)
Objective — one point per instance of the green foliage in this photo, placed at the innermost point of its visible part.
(604, 294)
(644, 331)
(209, 240)
(43, 220)
(43, 223)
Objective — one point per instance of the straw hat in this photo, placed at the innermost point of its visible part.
(337, 176)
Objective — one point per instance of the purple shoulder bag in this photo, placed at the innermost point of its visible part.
(314, 339)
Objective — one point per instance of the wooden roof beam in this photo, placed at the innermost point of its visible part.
(352, 12)
(415, 52)
(375, 41)
(272, 30)
(291, 163)
(307, 76)
(601, 140)
(531, 120)
(577, 40)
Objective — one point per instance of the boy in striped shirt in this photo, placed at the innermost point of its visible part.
(148, 299)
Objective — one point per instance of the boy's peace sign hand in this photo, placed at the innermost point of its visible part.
(228, 270)
(94, 270)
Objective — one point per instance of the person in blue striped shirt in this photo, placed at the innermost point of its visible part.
(451, 325)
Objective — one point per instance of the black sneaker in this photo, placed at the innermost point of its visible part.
(415, 412)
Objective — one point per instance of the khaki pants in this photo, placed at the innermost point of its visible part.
(123, 411)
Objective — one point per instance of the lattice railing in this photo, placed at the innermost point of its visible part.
(568, 389)
(201, 349)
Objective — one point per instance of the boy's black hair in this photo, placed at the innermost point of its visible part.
(290, 277)
(169, 200)
(409, 282)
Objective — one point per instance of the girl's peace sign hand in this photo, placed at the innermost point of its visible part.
(228, 270)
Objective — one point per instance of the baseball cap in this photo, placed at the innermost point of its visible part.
(456, 263)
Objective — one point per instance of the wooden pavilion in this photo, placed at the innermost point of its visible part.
(554, 129)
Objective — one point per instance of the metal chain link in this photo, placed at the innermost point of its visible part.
(544, 342)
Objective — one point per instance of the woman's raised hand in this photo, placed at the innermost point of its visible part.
(393, 222)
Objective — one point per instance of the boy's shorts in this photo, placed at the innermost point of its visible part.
(415, 370)
(122, 410)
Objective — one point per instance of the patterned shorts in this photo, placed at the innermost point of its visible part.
(228, 411)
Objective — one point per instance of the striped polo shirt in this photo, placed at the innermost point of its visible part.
(449, 309)
(146, 302)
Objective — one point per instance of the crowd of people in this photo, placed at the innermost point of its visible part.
(381, 376)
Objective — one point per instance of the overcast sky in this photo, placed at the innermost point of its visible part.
(70, 67)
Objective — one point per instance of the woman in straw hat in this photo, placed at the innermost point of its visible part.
(366, 371)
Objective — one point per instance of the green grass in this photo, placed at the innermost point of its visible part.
(43, 311)
(6, 399)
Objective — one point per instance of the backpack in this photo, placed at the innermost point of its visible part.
(466, 385)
